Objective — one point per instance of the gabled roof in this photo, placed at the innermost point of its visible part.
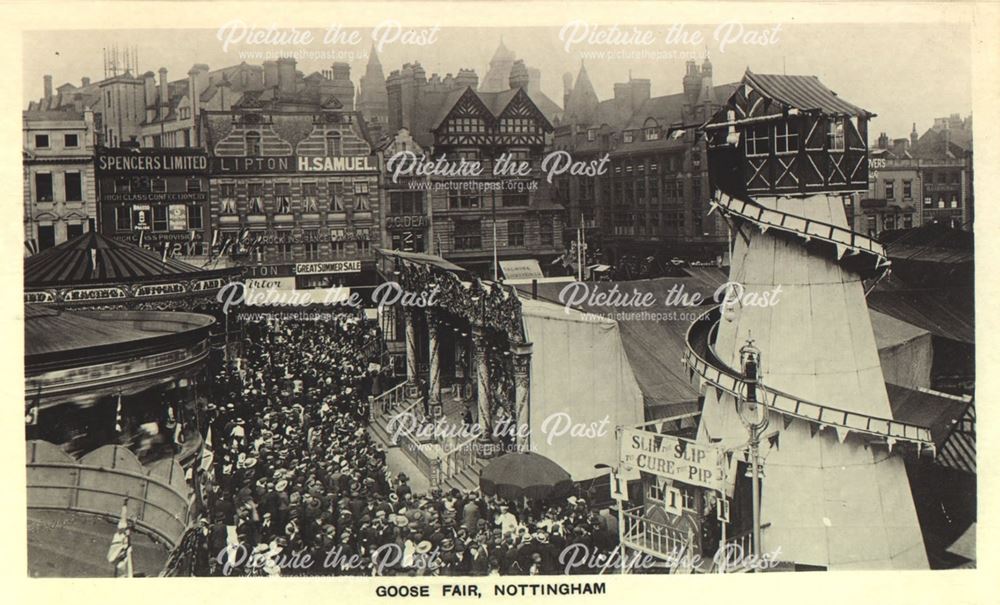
(494, 102)
(805, 93)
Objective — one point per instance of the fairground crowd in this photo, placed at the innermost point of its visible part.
(295, 485)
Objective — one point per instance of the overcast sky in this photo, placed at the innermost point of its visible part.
(903, 73)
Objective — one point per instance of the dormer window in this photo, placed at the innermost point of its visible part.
(334, 144)
(628, 136)
(591, 134)
(786, 138)
(252, 144)
(652, 134)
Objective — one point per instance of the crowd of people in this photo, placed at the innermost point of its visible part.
(297, 486)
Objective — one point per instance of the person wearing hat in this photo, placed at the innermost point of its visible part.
(470, 515)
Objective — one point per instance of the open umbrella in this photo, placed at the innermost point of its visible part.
(524, 474)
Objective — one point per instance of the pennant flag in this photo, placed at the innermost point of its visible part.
(142, 235)
(118, 415)
(207, 453)
(31, 245)
(890, 441)
(120, 551)
(842, 432)
(93, 259)
(841, 249)
(718, 393)
(786, 421)
(773, 440)
(813, 429)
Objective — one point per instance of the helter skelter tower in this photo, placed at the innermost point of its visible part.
(783, 153)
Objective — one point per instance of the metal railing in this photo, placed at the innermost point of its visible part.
(387, 401)
(460, 457)
(428, 462)
(653, 537)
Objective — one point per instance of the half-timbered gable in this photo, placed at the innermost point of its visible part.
(465, 121)
(501, 119)
(521, 122)
(788, 135)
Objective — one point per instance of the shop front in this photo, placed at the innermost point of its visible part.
(155, 198)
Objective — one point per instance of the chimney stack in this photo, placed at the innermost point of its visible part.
(286, 74)
(85, 81)
(48, 86)
(270, 74)
(164, 103)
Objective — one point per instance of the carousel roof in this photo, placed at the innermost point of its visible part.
(92, 258)
(50, 331)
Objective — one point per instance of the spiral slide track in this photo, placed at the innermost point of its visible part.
(834, 492)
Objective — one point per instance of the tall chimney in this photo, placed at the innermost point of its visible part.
(164, 103)
(48, 86)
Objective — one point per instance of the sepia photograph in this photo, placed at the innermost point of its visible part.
(412, 300)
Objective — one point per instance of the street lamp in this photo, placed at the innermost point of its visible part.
(753, 415)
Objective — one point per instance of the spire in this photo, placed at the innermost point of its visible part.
(498, 75)
(581, 106)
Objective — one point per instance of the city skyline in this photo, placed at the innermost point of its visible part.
(900, 95)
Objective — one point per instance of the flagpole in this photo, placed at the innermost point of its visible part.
(496, 267)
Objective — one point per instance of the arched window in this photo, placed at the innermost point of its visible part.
(253, 143)
(334, 145)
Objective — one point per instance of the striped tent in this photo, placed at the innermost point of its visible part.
(92, 258)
